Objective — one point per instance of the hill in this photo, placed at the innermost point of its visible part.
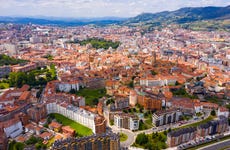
(181, 16)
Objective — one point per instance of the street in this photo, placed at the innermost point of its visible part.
(217, 146)
(132, 135)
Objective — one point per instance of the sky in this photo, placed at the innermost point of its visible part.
(96, 8)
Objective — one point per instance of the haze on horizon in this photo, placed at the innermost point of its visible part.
(96, 8)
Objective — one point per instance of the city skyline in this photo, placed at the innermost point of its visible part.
(94, 9)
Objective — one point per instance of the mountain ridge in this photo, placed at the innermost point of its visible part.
(182, 16)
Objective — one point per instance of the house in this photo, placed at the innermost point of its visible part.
(67, 130)
(223, 111)
(33, 129)
(46, 135)
(55, 126)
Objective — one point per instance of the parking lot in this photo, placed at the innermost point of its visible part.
(199, 141)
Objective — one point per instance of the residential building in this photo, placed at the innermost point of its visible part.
(67, 130)
(55, 126)
(68, 86)
(33, 129)
(150, 103)
(133, 98)
(12, 128)
(213, 127)
(79, 115)
(24, 68)
(4, 71)
(180, 136)
(223, 111)
(126, 121)
(106, 141)
(37, 113)
(3, 140)
(166, 117)
(158, 81)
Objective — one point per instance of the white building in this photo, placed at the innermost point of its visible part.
(14, 129)
(126, 121)
(198, 108)
(222, 111)
(157, 82)
(77, 114)
(166, 117)
(68, 86)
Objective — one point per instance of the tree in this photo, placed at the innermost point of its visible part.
(213, 112)
(48, 76)
(142, 139)
(12, 78)
(169, 130)
(131, 84)
(153, 72)
(31, 78)
(150, 146)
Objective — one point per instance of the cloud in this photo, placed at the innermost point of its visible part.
(96, 8)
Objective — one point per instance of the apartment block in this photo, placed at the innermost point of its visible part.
(213, 127)
(149, 102)
(180, 136)
(37, 112)
(79, 115)
(126, 121)
(166, 117)
(107, 141)
(4, 70)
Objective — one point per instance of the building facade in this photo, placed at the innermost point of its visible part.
(126, 121)
(79, 115)
(180, 136)
(4, 71)
(37, 112)
(213, 127)
(166, 117)
(107, 141)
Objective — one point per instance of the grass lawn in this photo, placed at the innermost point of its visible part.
(148, 123)
(197, 123)
(91, 95)
(80, 129)
(123, 137)
(4, 85)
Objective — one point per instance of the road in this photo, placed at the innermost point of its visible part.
(132, 135)
(173, 125)
(217, 146)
